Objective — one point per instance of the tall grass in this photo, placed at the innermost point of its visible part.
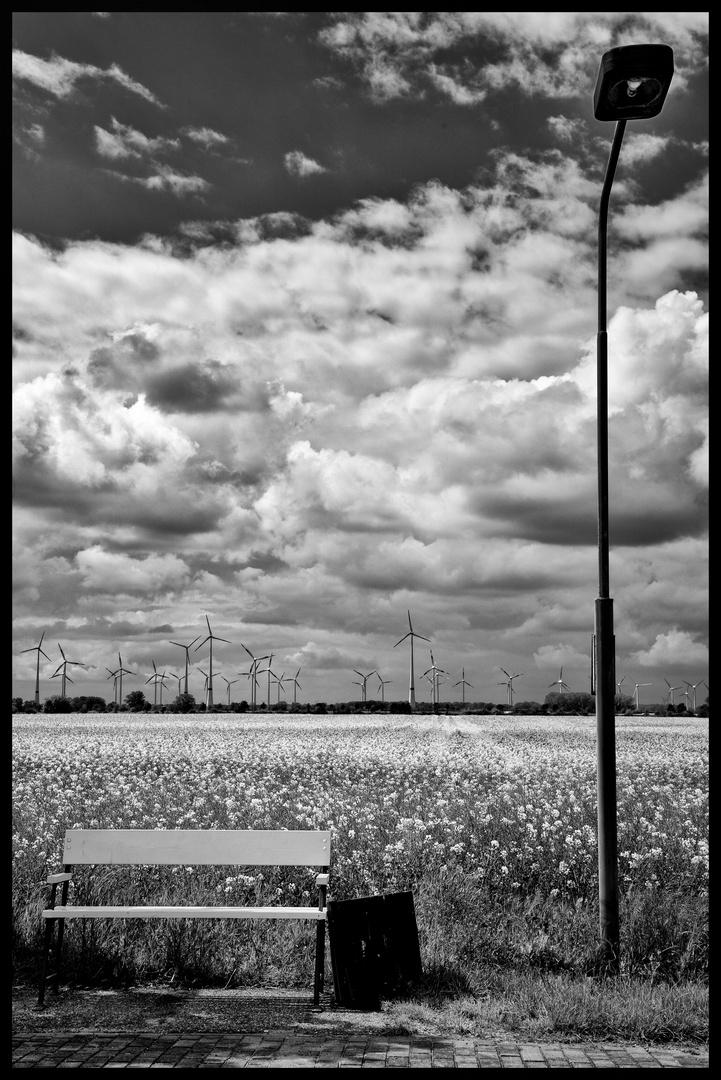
(490, 821)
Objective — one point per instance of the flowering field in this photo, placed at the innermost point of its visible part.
(504, 805)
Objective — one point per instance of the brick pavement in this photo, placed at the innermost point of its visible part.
(291, 1050)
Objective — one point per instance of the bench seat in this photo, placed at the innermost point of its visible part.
(104, 911)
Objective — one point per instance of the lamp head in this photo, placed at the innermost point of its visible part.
(633, 81)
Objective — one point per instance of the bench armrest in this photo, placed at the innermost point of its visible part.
(55, 879)
(322, 879)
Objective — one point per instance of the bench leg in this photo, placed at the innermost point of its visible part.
(319, 961)
(44, 963)
(58, 955)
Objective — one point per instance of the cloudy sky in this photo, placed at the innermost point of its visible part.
(305, 312)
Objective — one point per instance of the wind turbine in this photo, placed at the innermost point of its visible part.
(438, 679)
(620, 684)
(39, 649)
(693, 691)
(187, 660)
(671, 689)
(411, 634)
(120, 672)
(64, 666)
(230, 683)
(296, 686)
(65, 678)
(435, 677)
(635, 691)
(270, 672)
(180, 681)
(280, 682)
(156, 678)
(211, 638)
(560, 683)
(365, 679)
(114, 676)
(250, 674)
(463, 684)
(509, 684)
(253, 675)
(205, 685)
(382, 683)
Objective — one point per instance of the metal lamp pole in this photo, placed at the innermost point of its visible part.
(632, 84)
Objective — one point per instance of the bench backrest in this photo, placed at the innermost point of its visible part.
(212, 847)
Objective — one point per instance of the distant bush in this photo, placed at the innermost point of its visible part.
(400, 707)
(527, 708)
(135, 699)
(572, 702)
(57, 704)
(88, 703)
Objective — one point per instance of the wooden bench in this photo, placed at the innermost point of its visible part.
(187, 847)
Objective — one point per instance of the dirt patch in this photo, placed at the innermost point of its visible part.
(167, 1010)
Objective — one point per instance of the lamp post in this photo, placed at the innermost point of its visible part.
(632, 84)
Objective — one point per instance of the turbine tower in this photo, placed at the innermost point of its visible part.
(411, 634)
(271, 675)
(635, 691)
(39, 650)
(382, 683)
(114, 676)
(693, 691)
(230, 683)
(205, 685)
(436, 674)
(120, 672)
(509, 684)
(211, 638)
(64, 665)
(280, 682)
(187, 660)
(463, 684)
(253, 676)
(296, 686)
(365, 679)
(671, 690)
(156, 678)
(559, 683)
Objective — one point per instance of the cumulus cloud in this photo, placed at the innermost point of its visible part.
(59, 76)
(298, 164)
(165, 178)
(124, 141)
(675, 648)
(556, 54)
(205, 136)
(115, 572)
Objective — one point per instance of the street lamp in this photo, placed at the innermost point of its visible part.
(632, 84)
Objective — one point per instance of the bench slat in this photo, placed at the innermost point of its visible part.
(219, 847)
(109, 912)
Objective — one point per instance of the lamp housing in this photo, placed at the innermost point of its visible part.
(633, 81)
